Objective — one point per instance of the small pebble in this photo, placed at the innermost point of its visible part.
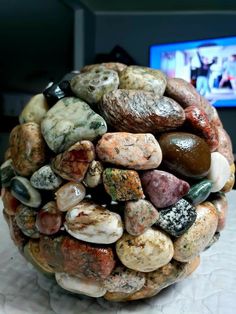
(73, 164)
(220, 202)
(44, 178)
(49, 219)
(92, 223)
(139, 216)
(199, 192)
(93, 176)
(69, 195)
(178, 218)
(7, 172)
(34, 110)
(25, 219)
(122, 185)
(75, 284)
(163, 188)
(225, 145)
(22, 190)
(146, 252)
(219, 171)
(10, 203)
(231, 181)
(135, 151)
(197, 237)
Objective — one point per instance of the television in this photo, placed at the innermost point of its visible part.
(209, 64)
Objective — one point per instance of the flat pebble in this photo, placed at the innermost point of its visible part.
(139, 216)
(7, 172)
(22, 190)
(197, 237)
(138, 111)
(220, 202)
(44, 178)
(93, 176)
(122, 185)
(69, 195)
(77, 285)
(73, 164)
(74, 257)
(92, 223)
(143, 78)
(199, 192)
(27, 148)
(186, 154)
(178, 218)
(92, 85)
(124, 280)
(219, 171)
(135, 151)
(163, 188)
(146, 252)
(34, 110)
(25, 219)
(71, 120)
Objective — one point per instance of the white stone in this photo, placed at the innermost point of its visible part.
(219, 171)
(92, 223)
(80, 286)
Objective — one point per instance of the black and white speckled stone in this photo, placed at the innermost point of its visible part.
(45, 179)
(178, 218)
(22, 190)
(7, 172)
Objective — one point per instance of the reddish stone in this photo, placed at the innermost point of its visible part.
(197, 120)
(10, 203)
(49, 219)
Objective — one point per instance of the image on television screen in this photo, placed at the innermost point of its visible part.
(210, 65)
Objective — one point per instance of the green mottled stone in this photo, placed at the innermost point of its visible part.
(71, 120)
(199, 192)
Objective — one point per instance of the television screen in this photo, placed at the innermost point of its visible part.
(210, 65)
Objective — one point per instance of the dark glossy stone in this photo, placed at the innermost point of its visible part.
(199, 192)
(178, 218)
(186, 154)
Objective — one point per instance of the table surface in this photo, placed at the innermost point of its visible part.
(211, 289)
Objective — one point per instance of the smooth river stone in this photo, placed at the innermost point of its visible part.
(143, 78)
(182, 92)
(115, 66)
(93, 176)
(122, 185)
(25, 219)
(71, 120)
(135, 151)
(33, 256)
(219, 171)
(75, 284)
(211, 112)
(199, 192)
(186, 154)
(197, 237)
(138, 111)
(69, 195)
(225, 145)
(124, 280)
(7, 172)
(163, 188)
(72, 164)
(220, 202)
(230, 182)
(10, 203)
(178, 218)
(139, 216)
(91, 86)
(34, 110)
(22, 190)
(49, 219)
(198, 123)
(146, 252)
(69, 255)
(27, 148)
(44, 178)
(92, 223)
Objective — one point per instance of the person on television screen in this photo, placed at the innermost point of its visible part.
(230, 73)
(202, 83)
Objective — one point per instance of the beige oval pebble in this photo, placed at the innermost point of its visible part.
(69, 195)
(34, 110)
(92, 223)
(195, 240)
(146, 252)
(81, 286)
(230, 182)
(220, 202)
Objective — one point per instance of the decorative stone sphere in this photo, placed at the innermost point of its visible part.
(115, 179)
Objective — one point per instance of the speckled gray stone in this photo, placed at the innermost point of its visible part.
(45, 179)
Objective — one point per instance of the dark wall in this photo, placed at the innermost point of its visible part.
(135, 32)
